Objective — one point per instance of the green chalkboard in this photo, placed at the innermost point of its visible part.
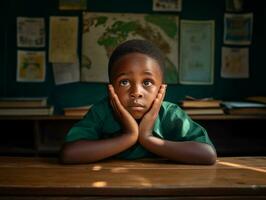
(86, 93)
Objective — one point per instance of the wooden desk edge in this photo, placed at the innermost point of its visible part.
(153, 191)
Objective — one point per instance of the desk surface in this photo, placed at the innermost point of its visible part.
(232, 177)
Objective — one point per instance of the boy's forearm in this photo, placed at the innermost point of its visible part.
(186, 152)
(85, 151)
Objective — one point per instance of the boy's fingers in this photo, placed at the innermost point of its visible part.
(161, 93)
(164, 91)
(117, 102)
(155, 107)
(120, 110)
(114, 106)
(113, 100)
(158, 100)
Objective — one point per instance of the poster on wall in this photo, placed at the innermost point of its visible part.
(238, 29)
(63, 39)
(31, 66)
(167, 5)
(72, 4)
(235, 62)
(66, 72)
(234, 5)
(30, 32)
(103, 32)
(196, 52)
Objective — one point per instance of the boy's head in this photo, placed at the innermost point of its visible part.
(136, 46)
(135, 70)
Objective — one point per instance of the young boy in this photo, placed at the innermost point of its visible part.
(135, 122)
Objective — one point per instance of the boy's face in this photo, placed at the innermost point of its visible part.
(136, 79)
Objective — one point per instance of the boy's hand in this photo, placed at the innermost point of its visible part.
(148, 120)
(128, 123)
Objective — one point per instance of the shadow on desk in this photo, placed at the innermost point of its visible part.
(45, 178)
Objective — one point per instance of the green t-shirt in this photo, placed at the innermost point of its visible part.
(172, 124)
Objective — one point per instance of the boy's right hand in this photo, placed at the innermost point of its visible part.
(128, 123)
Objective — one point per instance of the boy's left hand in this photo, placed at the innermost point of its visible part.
(148, 120)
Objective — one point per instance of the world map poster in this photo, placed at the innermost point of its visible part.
(103, 32)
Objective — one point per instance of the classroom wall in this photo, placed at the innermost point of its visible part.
(86, 93)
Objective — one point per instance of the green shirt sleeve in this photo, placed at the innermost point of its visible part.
(88, 128)
(99, 123)
(176, 125)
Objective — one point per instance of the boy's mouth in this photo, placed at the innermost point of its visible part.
(135, 106)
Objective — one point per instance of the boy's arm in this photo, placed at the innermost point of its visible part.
(85, 151)
(189, 152)
(185, 152)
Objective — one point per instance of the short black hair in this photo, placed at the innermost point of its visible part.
(136, 46)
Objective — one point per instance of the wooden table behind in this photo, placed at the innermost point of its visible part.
(45, 178)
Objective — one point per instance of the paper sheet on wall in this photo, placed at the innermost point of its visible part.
(235, 62)
(30, 32)
(63, 39)
(196, 52)
(72, 4)
(31, 66)
(238, 28)
(234, 5)
(66, 72)
(167, 5)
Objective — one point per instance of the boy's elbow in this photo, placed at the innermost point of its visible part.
(70, 153)
(65, 155)
(211, 157)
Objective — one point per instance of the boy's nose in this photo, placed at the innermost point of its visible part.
(136, 92)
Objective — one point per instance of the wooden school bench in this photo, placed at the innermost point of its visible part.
(44, 178)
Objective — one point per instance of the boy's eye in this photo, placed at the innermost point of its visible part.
(147, 83)
(124, 83)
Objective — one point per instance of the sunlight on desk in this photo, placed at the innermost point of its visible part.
(242, 166)
(96, 168)
(99, 184)
(119, 170)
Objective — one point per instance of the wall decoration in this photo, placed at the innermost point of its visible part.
(102, 32)
(196, 52)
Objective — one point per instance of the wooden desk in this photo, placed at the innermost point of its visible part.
(44, 178)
